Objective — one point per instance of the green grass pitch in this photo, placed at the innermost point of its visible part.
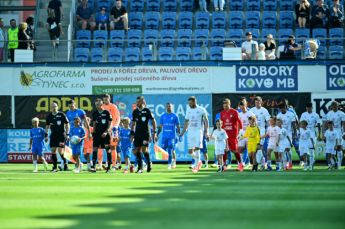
(171, 199)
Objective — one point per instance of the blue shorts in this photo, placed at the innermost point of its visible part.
(76, 149)
(37, 150)
(168, 143)
(204, 146)
(118, 149)
(126, 152)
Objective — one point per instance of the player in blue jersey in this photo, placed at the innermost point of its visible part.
(124, 135)
(77, 130)
(169, 124)
(37, 135)
(74, 112)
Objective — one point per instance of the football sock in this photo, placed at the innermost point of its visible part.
(109, 154)
(238, 157)
(54, 159)
(148, 159)
(340, 158)
(113, 156)
(94, 158)
(311, 157)
(99, 155)
(139, 161)
(197, 157)
(229, 157)
(35, 163)
(269, 162)
(170, 155)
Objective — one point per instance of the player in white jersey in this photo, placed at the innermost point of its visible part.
(338, 119)
(272, 132)
(220, 144)
(332, 139)
(262, 117)
(196, 122)
(314, 121)
(284, 144)
(305, 140)
(244, 116)
(289, 123)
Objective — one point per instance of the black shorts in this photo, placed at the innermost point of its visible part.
(141, 140)
(100, 142)
(57, 140)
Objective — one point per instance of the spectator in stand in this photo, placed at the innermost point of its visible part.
(85, 18)
(336, 15)
(249, 47)
(30, 32)
(290, 48)
(54, 28)
(302, 11)
(203, 5)
(57, 7)
(2, 40)
(319, 15)
(12, 38)
(23, 37)
(270, 47)
(218, 5)
(118, 14)
(261, 54)
(102, 20)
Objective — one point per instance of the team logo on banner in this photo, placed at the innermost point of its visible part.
(266, 78)
(336, 77)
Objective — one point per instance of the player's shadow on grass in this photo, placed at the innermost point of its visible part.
(170, 203)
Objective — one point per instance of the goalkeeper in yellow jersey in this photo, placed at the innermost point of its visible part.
(253, 135)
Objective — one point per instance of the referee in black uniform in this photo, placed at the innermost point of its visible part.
(140, 133)
(58, 124)
(101, 122)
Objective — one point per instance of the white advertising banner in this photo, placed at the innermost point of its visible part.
(322, 101)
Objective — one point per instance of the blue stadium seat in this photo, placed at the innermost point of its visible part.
(301, 34)
(83, 38)
(91, 3)
(152, 20)
(184, 37)
(150, 37)
(286, 19)
(321, 53)
(236, 19)
(169, 20)
(336, 52)
(124, 3)
(166, 54)
(236, 5)
(283, 34)
(269, 20)
(236, 35)
(81, 54)
(201, 37)
(132, 54)
(167, 38)
(255, 33)
(134, 38)
(135, 20)
(202, 20)
(321, 34)
(336, 36)
(183, 53)
(253, 5)
(115, 55)
(186, 5)
(137, 5)
(146, 54)
(286, 5)
(185, 20)
(169, 5)
(104, 4)
(117, 38)
(218, 37)
(253, 19)
(153, 5)
(270, 5)
(265, 32)
(96, 54)
(216, 53)
(218, 20)
(100, 38)
(197, 53)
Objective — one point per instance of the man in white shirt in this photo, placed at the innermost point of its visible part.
(262, 117)
(196, 122)
(313, 120)
(247, 47)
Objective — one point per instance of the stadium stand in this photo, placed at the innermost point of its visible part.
(96, 54)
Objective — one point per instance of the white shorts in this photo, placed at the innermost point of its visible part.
(330, 150)
(283, 145)
(194, 138)
(272, 146)
(303, 149)
(219, 152)
(243, 143)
